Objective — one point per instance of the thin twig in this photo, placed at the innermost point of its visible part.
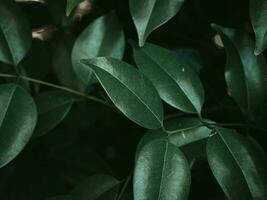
(127, 181)
(92, 98)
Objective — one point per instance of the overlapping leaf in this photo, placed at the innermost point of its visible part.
(129, 90)
(52, 108)
(18, 117)
(176, 82)
(237, 165)
(245, 73)
(191, 130)
(71, 4)
(258, 13)
(148, 15)
(161, 172)
(15, 33)
(103, 37)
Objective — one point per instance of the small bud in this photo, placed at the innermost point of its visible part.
(82, 9)
(44, 33)
(217, 40)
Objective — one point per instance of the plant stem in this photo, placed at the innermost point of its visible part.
(124, 186)
(181, 130)
(211, 126)
(78, 93)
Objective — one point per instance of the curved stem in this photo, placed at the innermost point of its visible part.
(92, 98)
(181, 130)
(124, 186)
(211, 126)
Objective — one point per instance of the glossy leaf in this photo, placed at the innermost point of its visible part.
(192, 130)
(148, 15)
(237, 165)
(258, 12)
(245, 73)
(52, 108)
(150, 136)
(130, 91)
(176, 82)
(15, 33)
(103, 37)
(71, 4)
(161, 172)
(18, 117)
(94, 187)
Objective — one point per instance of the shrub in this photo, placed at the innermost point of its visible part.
(137, 99)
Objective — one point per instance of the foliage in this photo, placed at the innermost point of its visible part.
(133, 100)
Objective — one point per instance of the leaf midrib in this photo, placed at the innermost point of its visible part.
(163, 169)
(233, 155)
(128, 89)
(171, 77)
(8, 104)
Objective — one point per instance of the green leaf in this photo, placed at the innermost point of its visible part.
(177, 83)
(15, 33)
(237, 165)
(161, 172)
(245, 73)
(18, 117)
(258, 12)
(193, 130)
(94, 187)
(130, 91)
(150, 14)
(61, 49)
(52, 108)
(71, 4)
(150, 136)
(103, 37)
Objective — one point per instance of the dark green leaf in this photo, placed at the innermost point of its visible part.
(103, 37)
(237, 165)
(61, 49)
(71, 4)
(129, 90)
(94, 187)
(258, 12)
(193, 130)
(176, 82)
(150, 136)
(245, 73)
(150, 14)
(52, 108)
(15, 33)
(18, 117)
(161, 172)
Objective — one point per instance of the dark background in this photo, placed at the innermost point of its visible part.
(94, 139)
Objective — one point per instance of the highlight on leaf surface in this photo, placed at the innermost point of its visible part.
(103, 37)
(15, 33)
(148, 15)
(18, 118)
(131, 92)
(177, 83)
(245, 73)
(166, 169)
